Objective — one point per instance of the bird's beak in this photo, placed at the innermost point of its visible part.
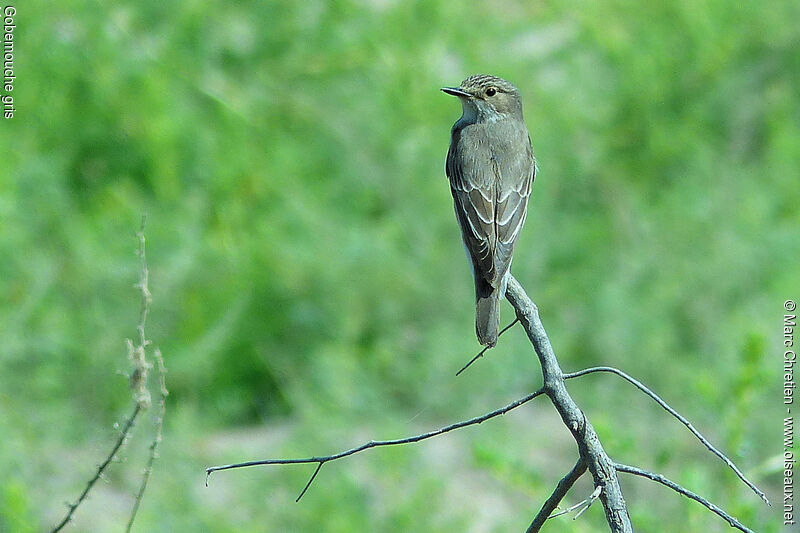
(455, 91)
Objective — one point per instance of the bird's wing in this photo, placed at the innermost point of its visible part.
(472, 184)
(516, 170)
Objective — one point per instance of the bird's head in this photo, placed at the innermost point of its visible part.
(487, 98)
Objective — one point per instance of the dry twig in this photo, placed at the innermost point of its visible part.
(375, 443)
(677, 415)
(72, 507)
(686, 492)
(159, 423)
(560, 491)
(480, 354)
(137, 355)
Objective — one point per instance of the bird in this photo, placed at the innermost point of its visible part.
(491, 169)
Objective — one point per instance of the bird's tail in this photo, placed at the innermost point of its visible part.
(487, 314)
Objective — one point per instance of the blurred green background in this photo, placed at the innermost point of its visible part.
(310, 289)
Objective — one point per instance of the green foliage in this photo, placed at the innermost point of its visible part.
(15, 511)
(309, 284)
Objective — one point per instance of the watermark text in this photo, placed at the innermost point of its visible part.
(6, 95)
(789, 459)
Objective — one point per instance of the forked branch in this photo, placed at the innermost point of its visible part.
(561, 490)
(592, 457)
(141, 395)
(590, 449)
(677, 415)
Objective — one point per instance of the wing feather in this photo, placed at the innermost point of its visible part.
(474, 202)
(490, 187)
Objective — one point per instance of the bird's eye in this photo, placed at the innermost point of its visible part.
(491, 91)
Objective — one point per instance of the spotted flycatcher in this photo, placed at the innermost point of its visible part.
(491, 169)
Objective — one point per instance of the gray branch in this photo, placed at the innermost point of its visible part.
(658, 478)
(589, 446)
(375, 443)
(677, 415)
(159, 425)
(485, 348)
(141, 395)
(123, 436)
(558, 494)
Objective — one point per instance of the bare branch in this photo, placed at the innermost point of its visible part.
(480, 354)
(592, 456)
(376, 443)
(141, 394)
(689, 494)
(590, 448)
(310, 481)
(100, 469)
(582, 505)
(677, 415)
(589, 501)
(137, 354)
(558, 494)
(162, 408)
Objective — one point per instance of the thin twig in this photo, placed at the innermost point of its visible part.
(140, 373)
(137, 354)
(310, 481)
(686, 492)
(558, 494)
(138, 383)
(677, 415)
(376, 443)
(480, 354)
(143, 286)
(568, 509)
(589, 501)
(162, 408)
(100, 469)
(582, 505)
